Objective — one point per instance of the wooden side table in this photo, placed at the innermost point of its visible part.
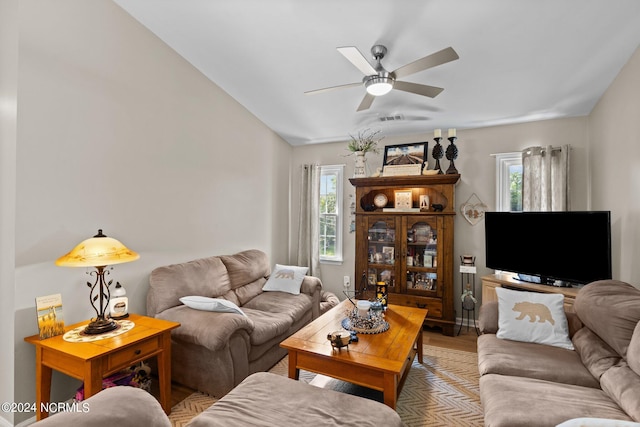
(92, 361)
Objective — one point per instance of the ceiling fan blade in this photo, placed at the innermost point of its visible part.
(326, 89)
(435, 59)
(356, 58)
(366, 102)
(424, 90)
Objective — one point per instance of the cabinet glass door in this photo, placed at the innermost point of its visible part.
(381, 260)
(422, 257)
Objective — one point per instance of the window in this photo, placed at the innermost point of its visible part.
(331, 213)
(509, 182)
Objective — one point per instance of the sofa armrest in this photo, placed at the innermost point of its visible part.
(488, 317)
(116, 406)
(312, 286)
(196, 326)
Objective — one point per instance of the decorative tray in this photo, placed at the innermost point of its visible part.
(362, 326)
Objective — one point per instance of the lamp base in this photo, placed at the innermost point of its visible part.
(100, 326)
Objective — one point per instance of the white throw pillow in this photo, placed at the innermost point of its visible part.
(533, 317)
(286, 278)
(211, 304)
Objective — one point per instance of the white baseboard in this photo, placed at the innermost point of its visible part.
(464, 325)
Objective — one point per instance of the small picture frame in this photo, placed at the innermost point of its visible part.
(403, 199)
(389, 252)
(405, 154)
(424, 203)
(427, 261)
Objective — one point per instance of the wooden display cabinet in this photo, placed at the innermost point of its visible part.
(412, 251)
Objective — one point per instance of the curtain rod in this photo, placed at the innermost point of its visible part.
(517, 152)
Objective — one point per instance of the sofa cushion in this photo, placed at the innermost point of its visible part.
(286, 278)
(623, 386)
(211, 304)
(505, 357)
(266, 400)
(615, 301)
(533, 317)
(206, 277)
(246, 267)
(509, 402)
(249, 291)
(115, 406)
(267, 325)
(595, 354)
(206, 328)
(597, 422)
(294, 306)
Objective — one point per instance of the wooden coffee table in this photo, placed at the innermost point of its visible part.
(378, 361)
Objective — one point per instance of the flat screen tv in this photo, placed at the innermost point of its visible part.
(573, 247)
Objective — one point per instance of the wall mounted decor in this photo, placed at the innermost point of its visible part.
(473, 209)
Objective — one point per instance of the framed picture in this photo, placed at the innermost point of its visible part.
(424, 202)
(388, 252)
(405, 154)
(403, 199)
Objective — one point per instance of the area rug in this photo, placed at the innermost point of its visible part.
(442, 391)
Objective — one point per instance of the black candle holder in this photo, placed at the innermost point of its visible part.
(452, 154)
(437, 154)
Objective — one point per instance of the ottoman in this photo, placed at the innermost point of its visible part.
(265, 399)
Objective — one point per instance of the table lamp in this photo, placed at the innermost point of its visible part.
(99, 252)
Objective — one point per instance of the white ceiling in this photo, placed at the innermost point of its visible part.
(519, 60)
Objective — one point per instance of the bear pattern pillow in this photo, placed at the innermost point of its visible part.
(211, 304)
(286, 278)
(533, 317)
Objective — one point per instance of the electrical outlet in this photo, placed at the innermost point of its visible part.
(347, 282)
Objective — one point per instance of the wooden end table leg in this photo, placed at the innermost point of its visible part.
(390, 392)
(43, 385)
(92, 378)
(164, 373)
(294, 372)
(419, 345)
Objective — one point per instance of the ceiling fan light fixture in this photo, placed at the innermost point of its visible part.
(378, 85)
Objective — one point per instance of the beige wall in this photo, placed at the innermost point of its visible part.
(475, 164)
(8, 107)
(117, 131)
(614, 137)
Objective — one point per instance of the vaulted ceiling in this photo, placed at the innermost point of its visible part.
(518, 61)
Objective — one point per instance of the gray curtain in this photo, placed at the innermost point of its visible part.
(309, 231)
(545, 178)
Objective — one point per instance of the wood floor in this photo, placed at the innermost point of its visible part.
(466, 341)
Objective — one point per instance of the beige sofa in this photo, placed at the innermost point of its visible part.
(527, 384)
(211, 351)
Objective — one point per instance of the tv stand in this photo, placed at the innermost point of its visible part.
(543, 281)
(509, 281)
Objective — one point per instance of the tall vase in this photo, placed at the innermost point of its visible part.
(360, 169)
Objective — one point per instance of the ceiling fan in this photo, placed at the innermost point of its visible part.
(379, 81)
